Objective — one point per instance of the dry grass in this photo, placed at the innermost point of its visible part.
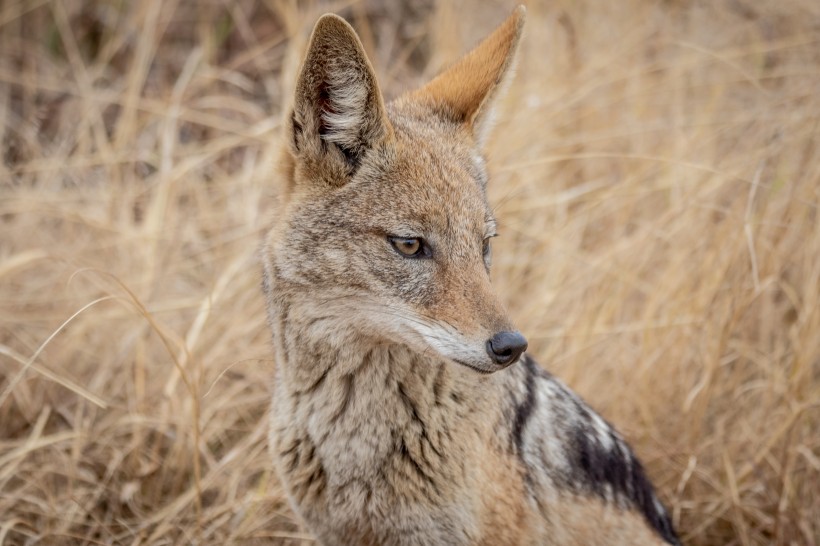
(656, 171)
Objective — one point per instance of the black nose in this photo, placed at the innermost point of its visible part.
(506, 347)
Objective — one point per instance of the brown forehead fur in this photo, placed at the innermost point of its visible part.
(425, 158)
(428, 162)
(405, 179)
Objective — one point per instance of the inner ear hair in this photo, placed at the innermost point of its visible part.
(338, 110)
(343, 116)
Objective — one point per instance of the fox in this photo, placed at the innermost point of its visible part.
(405, 409)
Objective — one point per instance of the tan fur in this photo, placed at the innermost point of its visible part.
(506, 518)
(466, 90)
(390, 422)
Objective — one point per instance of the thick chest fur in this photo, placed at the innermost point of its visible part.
(388, 448)
(378, 444)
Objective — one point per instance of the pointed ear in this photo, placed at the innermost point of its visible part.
(465, 92)
(338, 111)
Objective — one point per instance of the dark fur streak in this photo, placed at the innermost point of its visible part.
(437, 385)
(349, 384)
(408, 403)
(317, 477)
(414, 415)
(352, 158)
(285, 312)
(365, 363)
(414, 464)
(426, 440)
(622, 472)
(310, 452)
(314, 320)
(293, 454)
(316, 384)
(283, 320)
(622, 481)
(297, 131)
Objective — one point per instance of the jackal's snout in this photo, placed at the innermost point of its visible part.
(505, 347)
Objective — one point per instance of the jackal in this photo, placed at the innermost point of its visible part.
(404, 409)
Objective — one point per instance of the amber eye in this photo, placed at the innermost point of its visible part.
(410, 247)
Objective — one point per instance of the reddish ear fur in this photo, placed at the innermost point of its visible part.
(465, 91)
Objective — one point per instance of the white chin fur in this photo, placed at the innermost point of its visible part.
(452, 345)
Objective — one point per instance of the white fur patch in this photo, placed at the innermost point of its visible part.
(348, 106)
(450, 343)
(547, 439)
(602, 432)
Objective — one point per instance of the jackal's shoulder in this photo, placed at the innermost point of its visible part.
(568, 450)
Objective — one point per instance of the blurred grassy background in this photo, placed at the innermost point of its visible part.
(655, 169)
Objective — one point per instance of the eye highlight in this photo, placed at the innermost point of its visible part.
(410, 247)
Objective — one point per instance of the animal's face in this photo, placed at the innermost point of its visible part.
(388, 228)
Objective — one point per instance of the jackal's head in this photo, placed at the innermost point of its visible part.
(386, 228)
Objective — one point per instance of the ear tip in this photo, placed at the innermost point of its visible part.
(330, 22)
(519, 15)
